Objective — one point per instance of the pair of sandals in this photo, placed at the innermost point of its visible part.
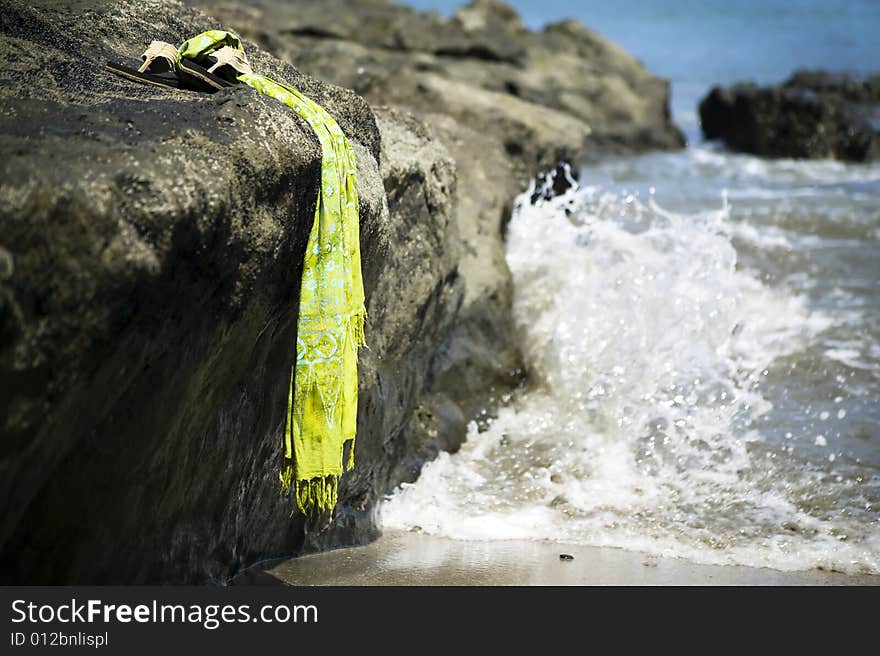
(164, 67)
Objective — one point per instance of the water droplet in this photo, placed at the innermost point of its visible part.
(821, 441)
(824, 415)
(841, 413)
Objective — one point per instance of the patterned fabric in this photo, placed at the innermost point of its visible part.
(322, 399)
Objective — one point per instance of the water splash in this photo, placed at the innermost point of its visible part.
(649, 347)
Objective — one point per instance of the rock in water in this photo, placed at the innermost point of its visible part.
(814, 114)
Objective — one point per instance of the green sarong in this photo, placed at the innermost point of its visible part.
(322, 399)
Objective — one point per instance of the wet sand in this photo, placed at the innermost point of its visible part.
(402, 558)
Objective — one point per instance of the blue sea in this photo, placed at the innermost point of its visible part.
(714, 393)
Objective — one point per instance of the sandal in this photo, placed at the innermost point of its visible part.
(162, 67)
(227, 56)
(159, 65)
(202, 75)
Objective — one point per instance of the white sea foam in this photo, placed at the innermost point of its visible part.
(748, 167)
(647, 347)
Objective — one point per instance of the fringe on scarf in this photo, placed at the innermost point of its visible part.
(317, 494)
(321, 493)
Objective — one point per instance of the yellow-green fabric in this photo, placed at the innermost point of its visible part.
(322, 399)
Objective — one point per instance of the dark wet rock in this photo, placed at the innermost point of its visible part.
(814, 114)
(256, 576)
(152, 242)
(554, 182)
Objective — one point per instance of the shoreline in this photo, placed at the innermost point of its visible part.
(400, 558)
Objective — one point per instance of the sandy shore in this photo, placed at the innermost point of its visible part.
(400, 558)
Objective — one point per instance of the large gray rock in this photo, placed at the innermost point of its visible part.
(151, 243)
(492, 31)
(814, 114)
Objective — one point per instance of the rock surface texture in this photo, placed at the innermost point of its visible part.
(151, 245)
(814, 114)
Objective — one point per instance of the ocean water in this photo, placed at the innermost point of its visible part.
(701, 329)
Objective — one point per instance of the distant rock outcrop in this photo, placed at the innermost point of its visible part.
(814, 114)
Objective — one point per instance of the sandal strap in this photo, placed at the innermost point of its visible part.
(228, 56)
(159, 50)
